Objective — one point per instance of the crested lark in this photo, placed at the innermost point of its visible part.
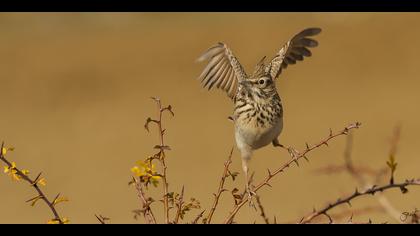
(258, 110)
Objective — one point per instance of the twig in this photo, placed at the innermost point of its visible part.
(101, 219)
(221, 187)
(346, 200)
(34, 184)
(162, 148)
(179, 206)
(270, 175)
(262, 212)
(198, 217)
(347, 213)
(351, 169)
(146, 210)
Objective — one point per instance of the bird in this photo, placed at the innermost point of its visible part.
(258, 109)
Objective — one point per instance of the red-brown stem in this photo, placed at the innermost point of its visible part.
(262, 212)
(162, 161)
(270, 175)
(346, 200)
(42, 196)
(147, 211)
(180, 204)
(220, 189)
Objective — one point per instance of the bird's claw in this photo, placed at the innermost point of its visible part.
(250, 193)
(293, 152)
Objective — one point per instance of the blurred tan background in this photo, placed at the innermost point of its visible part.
(75, 91)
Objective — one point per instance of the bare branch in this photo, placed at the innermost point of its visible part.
(299, 155)
(179, 206)
(221, 187)
(102, 219)
(262, 212)
(356, 194)
(34, 184)
(145, 202)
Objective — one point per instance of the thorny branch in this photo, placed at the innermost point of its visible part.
(220, 189)
(179, 204)
(34, 184)
(161, 153)
(198, 217)
(262, 212)
(146, 210)
(347, 200)
(296, 158)
(102, 219)
(358, 173)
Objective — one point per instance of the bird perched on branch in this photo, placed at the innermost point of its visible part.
(258, 110)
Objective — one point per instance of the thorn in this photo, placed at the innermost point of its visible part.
(307, 146)
(346, 131)
(37, 178)
(30, 200)
(329, 218)
(1, 149)
(350, 220)
(56, 197)
(306, 158)
(182, 191)
(331, 132)
(356, 192)
(155, 98)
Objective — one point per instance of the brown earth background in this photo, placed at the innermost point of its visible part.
(75, 91)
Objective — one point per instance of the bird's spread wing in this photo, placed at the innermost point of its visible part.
(294, 50)
(222, 71)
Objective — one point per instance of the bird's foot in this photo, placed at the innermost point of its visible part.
(250, 193)
(293, 152)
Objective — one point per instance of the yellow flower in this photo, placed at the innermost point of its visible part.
(4, 150)
(142, 169)
(60, 199)
(136, 171)
(146, 172)
(12, 172)
(25, 172)
(64, 220)
(41, 182)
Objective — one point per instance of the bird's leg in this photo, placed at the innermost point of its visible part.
(293, 152)
(249, 191)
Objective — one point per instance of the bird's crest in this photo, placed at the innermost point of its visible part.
(259, 69)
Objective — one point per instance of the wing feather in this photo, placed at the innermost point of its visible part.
(296, 49)
(222, 71)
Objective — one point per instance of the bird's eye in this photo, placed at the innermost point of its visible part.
(261, 81)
